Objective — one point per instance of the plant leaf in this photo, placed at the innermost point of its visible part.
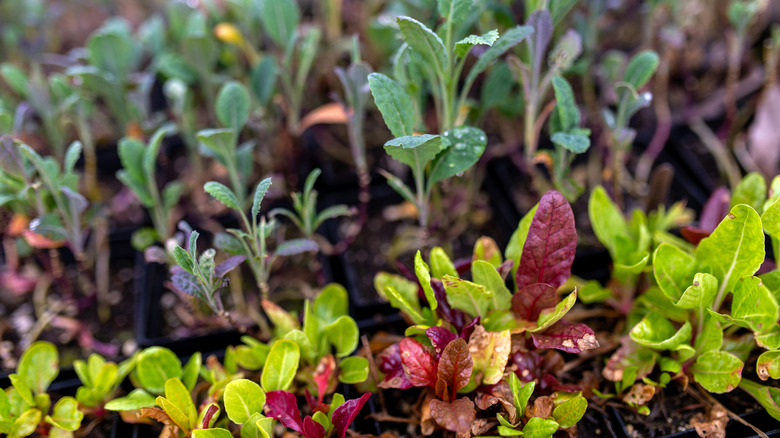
(529, 301)
(655, 331)
(717, 371)
(243, 398)
(754, 304)
(425, 42)
(767, 396)
(39, 366)
(506, 41)
(549, 248)
(345, 414)
(280, 366)
(768, 365)
(455, 366)
(569, 413)
(260, 191)
(489, 353)
(414, 150)
(463, 46)
(641, 68)
(424, 277)
(607, 221)
(462, 147)
(155, 366)
(673, 269)
(566, 336)
(353, 369)
(282, 406)
(66, 415)
(223, 194)
(418, 364)
(280, 20)
(394, 103)
(343, 334)
(751, 190)
(137, 399)
(456, 416)
(440, 337)
(472, 298)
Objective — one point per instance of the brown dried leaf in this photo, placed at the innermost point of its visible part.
(482, 425)
(329, 113)
(714, 426)
(639, 394)
(157, 414)
(456, 416)
(427, 423)
(542, 408)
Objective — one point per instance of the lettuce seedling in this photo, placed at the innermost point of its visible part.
(139, 174)
(434, 158)
(24, 408)
(250, 242)
(630, 243)
(692, 332)
(462, 342)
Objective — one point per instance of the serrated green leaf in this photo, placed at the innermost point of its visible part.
(223, 194)
(260, 191)
(463, 46)
(394, 104)
(416, 150)
(506, 41)
(183, 259)
(462, 148)
(425, 42)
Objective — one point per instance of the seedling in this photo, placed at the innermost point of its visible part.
(24, 408)
(434, 158)
(139, 174)
(471, 324)
(251, 241)
(304, 214)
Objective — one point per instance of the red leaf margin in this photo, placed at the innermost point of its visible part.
(345, 414)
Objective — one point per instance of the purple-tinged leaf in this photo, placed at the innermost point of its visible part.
(716, 208)
(542, 23)
(506, 268)
(345, 414)
(567, 336)
(312, 429)
(282, 405)
(550, 383)
(405, 272)
(419, 364)
(528, 365)
(455, 367)
(207, 417)
(466, 332)
(228, 265)
(439, 337)
(390, 364)
(549, 248)
(462, 266)
(457, 318)
(529, 301)
(310, 399)
(186, 283)
(456, 416)
(296, 246)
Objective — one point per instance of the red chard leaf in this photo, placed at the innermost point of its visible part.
(312, 429)
(345, 414)
(390, 364)
(455, 366)
(418, 363)
(529, 301)
(439, 337)
(716, 208)
(212, 409)
(456, 416)
(466, 332)
(567, 336)
(322, 375)
(310, 399)
(282, 406)
(549, 384)
(548, 252)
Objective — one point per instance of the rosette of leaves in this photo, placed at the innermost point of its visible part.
(100, 379)
(139, 174)
(711, 315)
(323, 342)
(466, 333)
(335, 417)
(250, 243)
(25, 406)
(435, 60)
(630, 243)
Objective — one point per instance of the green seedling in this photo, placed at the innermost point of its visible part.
(691, 330)
(112, 55)
(631, 243)
(428, 59)
(232, 109)
(251, 241)
(24, 408)
(304, 214)
(139, 174)
(100, 379)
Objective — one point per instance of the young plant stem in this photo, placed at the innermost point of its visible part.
(90, 155)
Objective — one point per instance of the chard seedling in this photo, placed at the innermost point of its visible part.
(100, 379)
(282, 406)
(250, 242)
(232, 108)
(693, 331)
(25, 407)
(304, 214)
(440, 61)
(139, 174)
(473, 325)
